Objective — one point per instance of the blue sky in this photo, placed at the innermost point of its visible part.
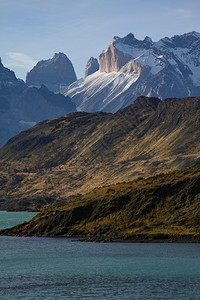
(31, 30)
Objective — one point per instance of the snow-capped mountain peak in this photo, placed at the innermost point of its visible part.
(186, 49)
(167, 68)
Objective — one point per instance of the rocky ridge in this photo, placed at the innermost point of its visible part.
(59, 158)
(92, 66)
(164, 69)
(22, 107)
(55, 73)
(164, 208)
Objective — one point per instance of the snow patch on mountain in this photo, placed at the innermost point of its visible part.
(128, 49)
(131, 67)
(94, 85)
(190, 60)
(150, 59)
(186, 49)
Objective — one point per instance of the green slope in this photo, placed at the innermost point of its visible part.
(164, 207)
(73, 154)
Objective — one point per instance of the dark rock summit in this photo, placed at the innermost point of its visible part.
(55, 73)
(92, 66)
(7, 76)
(22, 107)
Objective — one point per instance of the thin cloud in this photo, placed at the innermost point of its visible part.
(184, 12)
(20, 60)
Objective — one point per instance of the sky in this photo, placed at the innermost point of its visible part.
(32, 30)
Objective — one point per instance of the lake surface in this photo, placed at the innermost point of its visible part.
(58, 268)
(11, 219)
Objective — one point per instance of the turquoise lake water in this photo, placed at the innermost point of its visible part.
(11, 219)
(58, 268)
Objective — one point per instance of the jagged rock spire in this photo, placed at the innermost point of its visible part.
(91, 66)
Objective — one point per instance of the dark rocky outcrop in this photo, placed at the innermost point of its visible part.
(22, 107)
(55, 73)
(92, 66)
(7, 77)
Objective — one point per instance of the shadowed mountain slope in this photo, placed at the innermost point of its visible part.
(21, 106)
(73, 154)
(161, 208)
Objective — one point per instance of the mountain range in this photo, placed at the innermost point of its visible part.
(88, 144)
(21, 106)
(73, 154)
(127, 69)
(130, 67)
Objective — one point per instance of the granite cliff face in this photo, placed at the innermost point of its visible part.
(92, 66)
(113, 59)
(55, 73)
(130, 67)
(22, 107)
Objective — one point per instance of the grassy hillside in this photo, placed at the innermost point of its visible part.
(164, 207)
(73, 154)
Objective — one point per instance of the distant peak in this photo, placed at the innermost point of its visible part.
(115, 38)
(148, 39)
(166, 38)
(132, 41)
(131, 35)
(197, 34)
(59, 55)
(92, 59)
(188, 34)
(55, 73)
(92, 66)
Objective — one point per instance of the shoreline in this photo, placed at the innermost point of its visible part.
(171, 240)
